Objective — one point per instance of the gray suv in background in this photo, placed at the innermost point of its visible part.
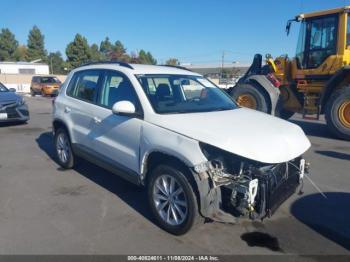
(13, 108)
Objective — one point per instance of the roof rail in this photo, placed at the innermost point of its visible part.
(179, 67)
(120, 63)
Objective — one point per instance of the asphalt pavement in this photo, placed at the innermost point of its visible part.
(46, 210)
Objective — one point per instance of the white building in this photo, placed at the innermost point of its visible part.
(13, 68)
(19, 75)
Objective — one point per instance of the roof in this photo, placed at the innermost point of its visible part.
(139, 69)
(325, 12)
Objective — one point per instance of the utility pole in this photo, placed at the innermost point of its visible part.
(51, 65)
(222, 64)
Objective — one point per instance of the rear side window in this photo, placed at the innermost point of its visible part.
(84, 85)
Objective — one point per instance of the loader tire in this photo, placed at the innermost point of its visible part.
(284, 114)
(337, 113)
(250, 96)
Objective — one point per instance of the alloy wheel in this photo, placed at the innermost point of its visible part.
(63, 148)
(170, 200)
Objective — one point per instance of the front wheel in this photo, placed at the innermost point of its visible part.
(338, 113)
(172, 200)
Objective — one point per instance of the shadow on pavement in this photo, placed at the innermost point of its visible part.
(132, 195)
(333, 154)
(7, 124)
(329, 216)
(314, 129)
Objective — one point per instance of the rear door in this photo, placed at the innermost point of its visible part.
(80, 105)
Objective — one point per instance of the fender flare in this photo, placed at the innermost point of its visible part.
(272, 92)
(331, 85)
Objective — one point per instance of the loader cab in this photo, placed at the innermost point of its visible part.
(317, 41)
(323, 41)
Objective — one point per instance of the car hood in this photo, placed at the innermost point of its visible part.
(245, 132)
(8, 97)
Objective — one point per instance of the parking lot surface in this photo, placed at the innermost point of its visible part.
(46, 210)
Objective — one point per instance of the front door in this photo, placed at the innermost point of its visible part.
(117, 137)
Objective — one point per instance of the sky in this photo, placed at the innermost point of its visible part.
(194, 31)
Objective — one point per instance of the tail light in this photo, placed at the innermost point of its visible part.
(273, 80)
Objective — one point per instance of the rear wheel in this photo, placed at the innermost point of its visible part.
(247, 95)
(172, 200)
(64, 152)
(338, 113)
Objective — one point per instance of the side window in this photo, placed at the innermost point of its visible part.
(116, 87)
(84, 85)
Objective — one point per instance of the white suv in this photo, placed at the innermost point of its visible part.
(176, 133)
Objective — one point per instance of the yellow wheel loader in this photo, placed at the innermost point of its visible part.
(315, 82)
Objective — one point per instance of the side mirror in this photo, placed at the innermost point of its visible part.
(12, 89)
(123, 108)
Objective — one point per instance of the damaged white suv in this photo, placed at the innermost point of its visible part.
(174, 132)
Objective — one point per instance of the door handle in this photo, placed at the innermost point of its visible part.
(97, 120)
(67, 109)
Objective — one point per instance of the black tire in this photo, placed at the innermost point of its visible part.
(332, 113)
(261, 100)
(70, 161)
(32, 93)
(284, 114)
(192, 214)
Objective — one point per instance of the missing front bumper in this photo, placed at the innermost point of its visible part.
(275, 184)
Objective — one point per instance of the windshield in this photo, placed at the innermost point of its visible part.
(171, 94)
(49, 80)
(3, 88)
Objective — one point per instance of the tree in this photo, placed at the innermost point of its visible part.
(119, 52)
(146, 58)
(172, 61)
(36, 46)
(56, 63)
(78, 52)
(95, 53)
(105, 48)
(119, 48)
(8, 45)
(21, 53)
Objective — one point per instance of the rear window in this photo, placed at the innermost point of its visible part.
(49, 80)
